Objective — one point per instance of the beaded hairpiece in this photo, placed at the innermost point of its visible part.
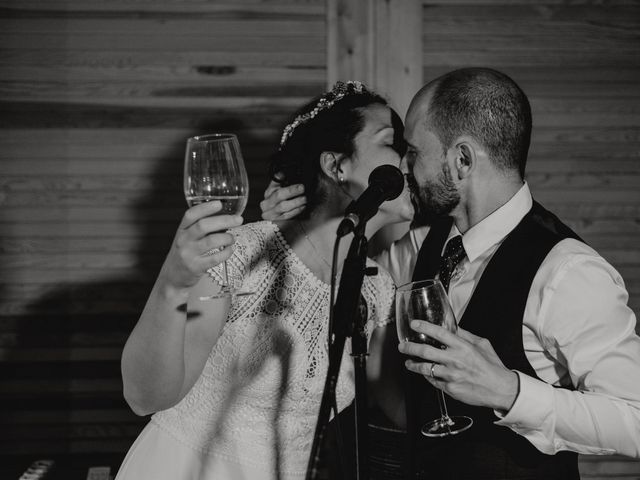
(337, 93)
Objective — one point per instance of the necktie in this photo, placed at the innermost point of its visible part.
(453, 254)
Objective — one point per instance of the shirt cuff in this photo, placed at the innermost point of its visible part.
(532, 408)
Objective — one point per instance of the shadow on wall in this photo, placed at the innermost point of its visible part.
(75, 399)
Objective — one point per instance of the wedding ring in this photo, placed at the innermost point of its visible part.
(433, 366)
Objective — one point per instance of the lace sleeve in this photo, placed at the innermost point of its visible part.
(249, 243)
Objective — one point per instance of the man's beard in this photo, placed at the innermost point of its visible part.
(433, 199)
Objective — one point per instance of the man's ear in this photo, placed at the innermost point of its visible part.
(330, 164)
(465, 157)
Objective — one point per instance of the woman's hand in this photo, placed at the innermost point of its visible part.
(282, 203)
(200, 232)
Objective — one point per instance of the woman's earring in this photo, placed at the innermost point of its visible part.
(341, 179)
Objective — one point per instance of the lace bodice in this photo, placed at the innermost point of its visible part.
(257, 398)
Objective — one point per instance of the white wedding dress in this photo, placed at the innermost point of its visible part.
(251, 414)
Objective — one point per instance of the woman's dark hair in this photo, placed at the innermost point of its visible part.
(332, 129)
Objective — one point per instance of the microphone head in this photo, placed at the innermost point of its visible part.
(386, 182)
(389, 179)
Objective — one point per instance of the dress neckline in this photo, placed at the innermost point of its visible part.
(285, 244)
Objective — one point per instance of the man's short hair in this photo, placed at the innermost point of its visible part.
(486, 105)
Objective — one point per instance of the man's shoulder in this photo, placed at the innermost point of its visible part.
(550, 223)
(573, 255)
(569, 249)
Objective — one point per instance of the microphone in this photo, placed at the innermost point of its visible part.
(386, 182)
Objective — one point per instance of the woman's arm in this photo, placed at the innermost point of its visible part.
(166, 350)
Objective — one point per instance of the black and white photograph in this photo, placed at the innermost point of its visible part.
(319, 239)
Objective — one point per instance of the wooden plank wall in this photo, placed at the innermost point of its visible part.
(97, 99)
(579, 63)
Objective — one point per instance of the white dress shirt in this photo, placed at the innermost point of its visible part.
(577, 330)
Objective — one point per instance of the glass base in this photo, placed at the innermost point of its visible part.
(445, 426)
(226, 292)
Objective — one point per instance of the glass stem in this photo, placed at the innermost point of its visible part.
(444, 414)
(226, 278)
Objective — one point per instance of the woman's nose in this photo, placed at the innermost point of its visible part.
(404, 167)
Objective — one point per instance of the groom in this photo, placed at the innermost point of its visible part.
(546, 359)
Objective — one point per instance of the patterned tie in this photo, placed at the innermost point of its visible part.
(453, 254)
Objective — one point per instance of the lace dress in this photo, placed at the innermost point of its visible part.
(252, 412)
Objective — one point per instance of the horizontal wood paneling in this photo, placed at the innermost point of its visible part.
(505, 34)
(96, 100)
(579, 63)
(222, 8)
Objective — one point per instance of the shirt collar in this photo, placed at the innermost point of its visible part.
(495, 227)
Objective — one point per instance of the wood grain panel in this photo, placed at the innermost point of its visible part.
(192, 24)
(125, 42)
(228, 8)
(124, 65)
(96, 100)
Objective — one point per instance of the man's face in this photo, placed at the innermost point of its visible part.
(434, 192)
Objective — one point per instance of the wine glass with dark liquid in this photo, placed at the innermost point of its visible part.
(214, 170)
(427, 300)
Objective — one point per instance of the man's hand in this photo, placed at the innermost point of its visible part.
(468, 369)
(282, 203)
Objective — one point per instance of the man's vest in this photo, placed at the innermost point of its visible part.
(495, 312)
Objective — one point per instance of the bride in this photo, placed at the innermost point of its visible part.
(235, 386)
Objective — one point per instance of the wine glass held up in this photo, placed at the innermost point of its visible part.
(427, 300)
(214, 170)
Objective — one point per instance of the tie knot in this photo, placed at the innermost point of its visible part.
(453, 254)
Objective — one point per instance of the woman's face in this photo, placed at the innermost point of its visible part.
(374, 146)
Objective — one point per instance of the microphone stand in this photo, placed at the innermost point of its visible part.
(349, 321)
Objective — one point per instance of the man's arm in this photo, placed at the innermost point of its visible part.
(587, 333)
(585, 325)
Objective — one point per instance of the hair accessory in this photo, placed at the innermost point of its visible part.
(337, 93)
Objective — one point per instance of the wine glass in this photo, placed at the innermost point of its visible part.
(214, 170)
(427, 300)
